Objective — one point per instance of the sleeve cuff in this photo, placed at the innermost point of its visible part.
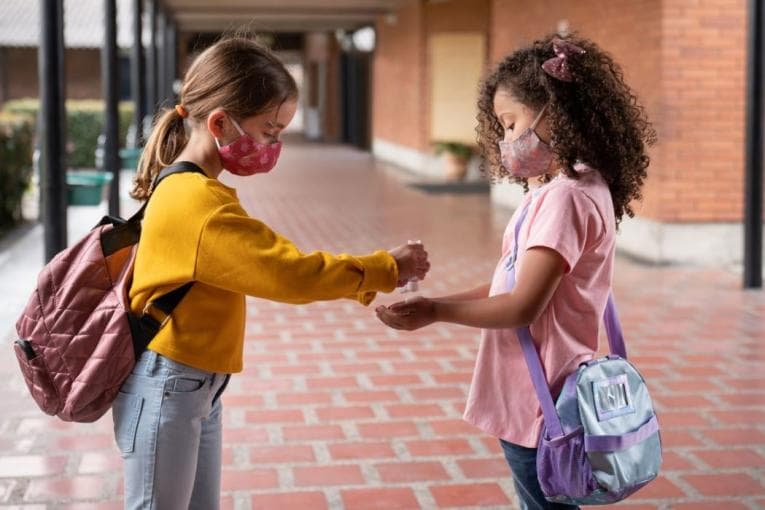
(569, 258)
(380, 273)
(365, 298)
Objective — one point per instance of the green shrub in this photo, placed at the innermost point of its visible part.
(84, 124)
(16, 147)
(459, 149)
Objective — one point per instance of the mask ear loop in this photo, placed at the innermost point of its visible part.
(539, 117)
(236, 125)
(533, 126)
(536, 121)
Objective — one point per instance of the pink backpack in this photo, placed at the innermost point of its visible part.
(78, 340)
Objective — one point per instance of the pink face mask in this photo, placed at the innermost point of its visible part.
(527, 156)
(245, 156)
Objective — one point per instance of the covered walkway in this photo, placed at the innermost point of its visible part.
(335, 411)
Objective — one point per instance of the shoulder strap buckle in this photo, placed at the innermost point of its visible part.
(165, 319)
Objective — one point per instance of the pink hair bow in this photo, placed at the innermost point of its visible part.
(557, 66)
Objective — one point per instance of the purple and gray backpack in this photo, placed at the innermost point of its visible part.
(600, 441)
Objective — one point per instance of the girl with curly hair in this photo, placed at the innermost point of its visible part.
(557, 112)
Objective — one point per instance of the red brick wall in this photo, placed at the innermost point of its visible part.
(685, 60)
(452, 16)
(703, 84)
(398, 79)
(3, 77)
(401, 102)
(628, 29)
(83, 73)
(458, 15)
(21, 72)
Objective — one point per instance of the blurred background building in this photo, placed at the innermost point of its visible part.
(395, 77)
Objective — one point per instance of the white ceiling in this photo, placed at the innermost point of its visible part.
(277, 15)
(83, 23)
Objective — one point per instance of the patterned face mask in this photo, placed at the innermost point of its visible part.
(245, 156)
(527, 156)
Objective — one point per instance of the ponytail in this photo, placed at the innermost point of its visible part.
(167, 140)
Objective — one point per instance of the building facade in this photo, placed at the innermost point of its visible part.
(685, 61)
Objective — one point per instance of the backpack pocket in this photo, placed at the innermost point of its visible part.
(126, 413)
(563, 468)
(37, 377)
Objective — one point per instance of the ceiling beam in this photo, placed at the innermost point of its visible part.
(182, 5)
(277, 15)
(220, 23)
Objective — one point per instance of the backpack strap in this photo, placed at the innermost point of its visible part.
(146, 327)
(534, 364)
(127, 232)
(614, 328)
(176, 168)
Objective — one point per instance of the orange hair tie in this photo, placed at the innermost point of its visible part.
(181, 111)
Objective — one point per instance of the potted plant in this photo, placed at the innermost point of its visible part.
(455, 156)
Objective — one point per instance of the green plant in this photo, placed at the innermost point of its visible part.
(84, 124)
(458, 149)
(16, 146)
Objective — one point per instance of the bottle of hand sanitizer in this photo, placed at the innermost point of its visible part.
(413, 285)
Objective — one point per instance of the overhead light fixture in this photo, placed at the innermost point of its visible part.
(364, 39)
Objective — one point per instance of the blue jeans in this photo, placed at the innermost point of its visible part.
(523, 463)
(167, 424)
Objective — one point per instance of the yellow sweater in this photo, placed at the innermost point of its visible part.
(195, 229)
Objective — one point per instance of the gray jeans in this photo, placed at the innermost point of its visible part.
(167, 424)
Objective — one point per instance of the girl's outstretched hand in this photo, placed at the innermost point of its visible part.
(414, 313)
(412, 261)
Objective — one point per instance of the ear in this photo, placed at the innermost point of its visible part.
(217, 124)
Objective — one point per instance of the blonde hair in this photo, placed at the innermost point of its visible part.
(236, 74)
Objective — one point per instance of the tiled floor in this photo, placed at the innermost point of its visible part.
(335, 411)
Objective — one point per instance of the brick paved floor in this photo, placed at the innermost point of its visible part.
(335, 411)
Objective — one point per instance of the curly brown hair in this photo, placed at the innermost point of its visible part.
(594, 119)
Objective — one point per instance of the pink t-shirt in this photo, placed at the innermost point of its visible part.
(576, 219)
